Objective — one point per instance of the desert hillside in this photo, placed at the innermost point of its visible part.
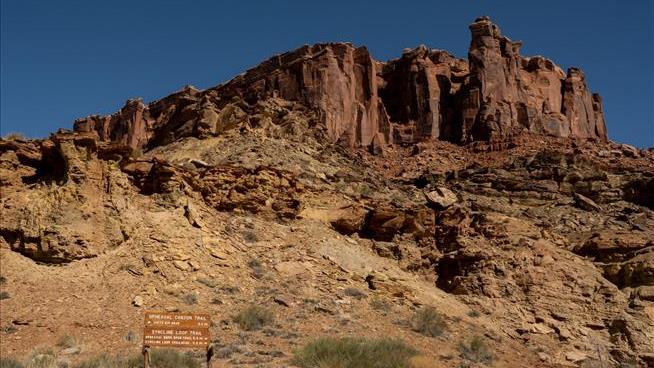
(473, 210)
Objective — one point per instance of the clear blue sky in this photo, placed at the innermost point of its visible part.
(67, 59)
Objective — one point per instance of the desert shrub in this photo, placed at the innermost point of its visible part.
(257, 268)
(190, 298)
(130, 336)
(428, 322)
(106, 361)
(365, 190)
(67, 341)
(253, 317)
(165, 358)
(229, 289)
(15, 136)
(348, 352)
(250, 236)
(355, 293)
(474, 314)
(4, 295)
(10, 363)
(42, 359)
(169, 358)
(2, 280)
(476, 350)
(8, 329)
(254, 263)
(380, 304)
(207, 282)
(341, 186)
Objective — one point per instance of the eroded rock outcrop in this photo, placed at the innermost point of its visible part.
(52, 210)
(508, 93)
(418, 93)
(337, 80)
(551, 234)
(358, 101)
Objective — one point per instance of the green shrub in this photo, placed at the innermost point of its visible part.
(476, 350)
(10, 363)
(428, 322)
(354, 353)
(253, 318)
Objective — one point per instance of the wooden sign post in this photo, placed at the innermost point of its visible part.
(176, 330)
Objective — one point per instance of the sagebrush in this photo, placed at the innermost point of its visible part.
(428, 322)
(349, 352)
(253, 317)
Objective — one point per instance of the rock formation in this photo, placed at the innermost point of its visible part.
(423, 95)
(345, 195)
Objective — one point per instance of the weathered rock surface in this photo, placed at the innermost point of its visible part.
(441, 197)
(515, 237)
(65, 221)
(358, 101)
(342, 191)
(552, 246)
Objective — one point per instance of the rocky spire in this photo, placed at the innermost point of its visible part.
(508, 93)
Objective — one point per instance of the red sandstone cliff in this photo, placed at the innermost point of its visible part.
(425, 94)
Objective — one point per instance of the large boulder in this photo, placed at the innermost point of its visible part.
(441, 197)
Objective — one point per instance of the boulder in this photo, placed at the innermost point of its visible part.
(349, 220)
(586, 203)
(441, 198)
(137, 301)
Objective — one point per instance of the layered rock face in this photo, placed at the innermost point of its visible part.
(508, 93)
(549, 243)
(337, 80)
(357, 101)
(419, 93)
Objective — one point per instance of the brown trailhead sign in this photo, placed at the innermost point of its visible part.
(185, 330)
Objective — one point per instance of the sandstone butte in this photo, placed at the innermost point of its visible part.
(473, 209)
(423, 95)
